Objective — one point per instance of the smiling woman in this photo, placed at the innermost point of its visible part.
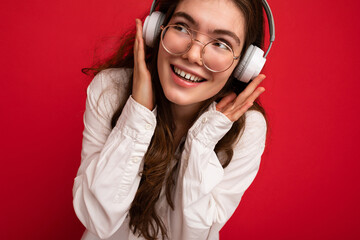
(169, 148)
(208, 24)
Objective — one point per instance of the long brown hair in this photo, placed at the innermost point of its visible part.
(156, 173)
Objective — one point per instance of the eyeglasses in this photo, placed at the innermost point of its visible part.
(216, 56)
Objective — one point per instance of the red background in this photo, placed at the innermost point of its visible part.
(307, 186)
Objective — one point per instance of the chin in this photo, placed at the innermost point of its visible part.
(177, 98)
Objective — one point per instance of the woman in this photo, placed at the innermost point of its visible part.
(168, 147)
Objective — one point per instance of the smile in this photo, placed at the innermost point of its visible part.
(187, 76)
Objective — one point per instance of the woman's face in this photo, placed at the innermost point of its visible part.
(222, 20)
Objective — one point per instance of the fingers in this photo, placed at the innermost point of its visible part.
(235, 106)
(250, 89)
(139, 53)
(255, 94)
(225, 101)
(240, 111)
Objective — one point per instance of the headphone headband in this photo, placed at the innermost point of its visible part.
(270, 19)
(153, 5)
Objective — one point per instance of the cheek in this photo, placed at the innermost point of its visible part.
(162, 62)
(223, 77)
(221, 80)
(228, 73)
(160, 66)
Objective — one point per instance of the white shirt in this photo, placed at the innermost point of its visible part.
(205, 195)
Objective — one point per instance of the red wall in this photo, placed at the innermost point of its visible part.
(308, 185)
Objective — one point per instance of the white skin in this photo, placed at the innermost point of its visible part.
(206, 16)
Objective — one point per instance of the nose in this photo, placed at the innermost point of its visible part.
(194, 53)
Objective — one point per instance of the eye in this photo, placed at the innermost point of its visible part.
(180, 28)
(221, 45)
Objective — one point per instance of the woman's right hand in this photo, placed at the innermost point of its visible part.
(142, 87)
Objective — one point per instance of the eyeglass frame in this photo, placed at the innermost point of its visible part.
(193, 39)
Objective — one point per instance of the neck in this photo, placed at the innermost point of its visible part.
(184, 115)
(183, 118)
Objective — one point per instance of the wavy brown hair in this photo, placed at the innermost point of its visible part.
(144, 219)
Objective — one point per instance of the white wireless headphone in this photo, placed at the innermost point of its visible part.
(248, 68)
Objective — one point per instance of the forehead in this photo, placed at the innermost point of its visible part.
(214, 14)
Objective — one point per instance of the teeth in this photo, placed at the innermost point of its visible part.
(186, 75)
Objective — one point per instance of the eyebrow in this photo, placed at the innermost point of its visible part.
(216, 31)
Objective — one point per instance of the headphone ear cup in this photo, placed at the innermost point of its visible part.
(251, 64)
(151, 28)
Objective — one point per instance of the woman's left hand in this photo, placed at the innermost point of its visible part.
(234, 107)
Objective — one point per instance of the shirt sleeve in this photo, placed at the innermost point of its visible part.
(210, 193)
(111, 159)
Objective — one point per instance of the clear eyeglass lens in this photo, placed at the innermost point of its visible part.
(216, 55)
(176, 39)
